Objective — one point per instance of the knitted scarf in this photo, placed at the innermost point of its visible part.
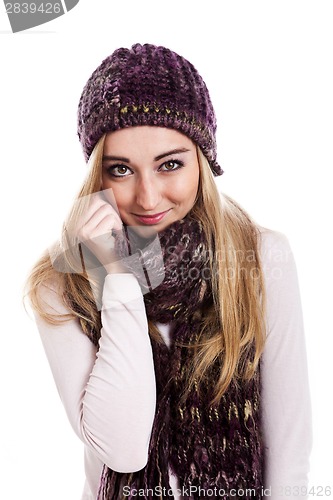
(212, 449)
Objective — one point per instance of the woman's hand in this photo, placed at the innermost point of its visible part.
(94, 231)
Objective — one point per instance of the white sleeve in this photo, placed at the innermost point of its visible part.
(286, 407)
(109, 396)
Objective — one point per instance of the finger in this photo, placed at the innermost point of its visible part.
(91, 227)
(90, 210)
(101, 212)
(86, 205)
(103, 196)
(90, 204)
(105, 226)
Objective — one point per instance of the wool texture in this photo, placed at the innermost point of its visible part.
(211, 448)
(147, 85)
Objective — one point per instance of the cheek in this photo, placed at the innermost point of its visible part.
(186, 188)
(194, 184)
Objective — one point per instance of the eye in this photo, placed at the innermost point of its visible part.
(171, 165)
(118, 171)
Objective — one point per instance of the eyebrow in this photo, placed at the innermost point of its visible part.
(172, 152)
(117, 158)
(158, 157)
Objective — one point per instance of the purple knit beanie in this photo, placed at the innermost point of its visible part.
(147, 85)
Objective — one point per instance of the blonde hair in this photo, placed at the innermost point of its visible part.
(233, 329)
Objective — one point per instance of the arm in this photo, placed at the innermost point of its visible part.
(109, 396)
(286, 408)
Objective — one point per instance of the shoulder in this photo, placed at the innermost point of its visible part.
(270, 243)
(278, 263)
(274, 247)
(272, 240)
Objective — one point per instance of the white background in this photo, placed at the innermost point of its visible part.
(268, 65)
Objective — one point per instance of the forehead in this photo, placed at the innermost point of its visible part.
(146, 139)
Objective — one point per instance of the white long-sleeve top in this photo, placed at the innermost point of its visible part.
(110, 395)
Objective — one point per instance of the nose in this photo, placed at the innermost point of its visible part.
(148, 193)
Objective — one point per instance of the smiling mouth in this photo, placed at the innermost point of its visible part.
(152, 219)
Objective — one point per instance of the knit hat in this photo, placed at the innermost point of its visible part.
(147, 85)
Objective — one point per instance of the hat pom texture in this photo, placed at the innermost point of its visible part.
(147, 85)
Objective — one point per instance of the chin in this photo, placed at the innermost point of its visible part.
(145, 231)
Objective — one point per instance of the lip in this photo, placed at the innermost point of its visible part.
(152, 219)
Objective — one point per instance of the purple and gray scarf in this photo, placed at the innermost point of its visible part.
(214, 450)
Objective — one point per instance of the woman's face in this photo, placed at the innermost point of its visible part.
(153, 173)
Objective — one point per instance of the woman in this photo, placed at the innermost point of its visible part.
(171, 321)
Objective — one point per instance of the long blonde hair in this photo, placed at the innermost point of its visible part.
(233, 329)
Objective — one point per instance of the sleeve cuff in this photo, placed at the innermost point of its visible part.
(122, 287)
